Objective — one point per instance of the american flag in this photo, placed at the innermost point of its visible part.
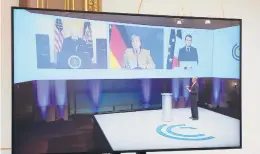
(58, 35)
(87, 35)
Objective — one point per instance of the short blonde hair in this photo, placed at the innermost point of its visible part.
(135, 36)
(195, 78)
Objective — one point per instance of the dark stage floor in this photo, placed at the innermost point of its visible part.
(56, 137)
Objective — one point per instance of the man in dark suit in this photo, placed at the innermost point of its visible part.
(188, 53)
(75, 53)
(194, 98)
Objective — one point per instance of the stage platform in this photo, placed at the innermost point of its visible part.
(142, 130)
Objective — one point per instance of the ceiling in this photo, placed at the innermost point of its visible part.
(198, 23)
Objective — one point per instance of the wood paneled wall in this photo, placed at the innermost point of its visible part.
(80, 5)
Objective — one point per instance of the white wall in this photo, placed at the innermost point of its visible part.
(249, 12)
(1, 76)
(5, 91)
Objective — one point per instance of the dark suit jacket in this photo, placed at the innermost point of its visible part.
(75, 47)
(191, 55)
(194, 94)
(71, 46)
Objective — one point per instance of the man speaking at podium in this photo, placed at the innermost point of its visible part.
(75, 53)
(188, 55)
(137, 57)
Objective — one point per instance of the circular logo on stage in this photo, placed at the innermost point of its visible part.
(181, 132)
(236, 52)
(74, 62)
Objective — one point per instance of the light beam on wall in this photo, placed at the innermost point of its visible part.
(222, 89)
(216, 90)
(95, 92)
(146, 89)
(185, 82)
(43, 93)
(175, 89)
(61, 95)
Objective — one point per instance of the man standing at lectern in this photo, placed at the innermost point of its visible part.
(188, 53)
(194, 98)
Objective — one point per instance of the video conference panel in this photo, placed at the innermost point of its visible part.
(52, 47)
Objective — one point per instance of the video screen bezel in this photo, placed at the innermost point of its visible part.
(64, 12)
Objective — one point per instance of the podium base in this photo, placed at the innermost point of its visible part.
(167, 120)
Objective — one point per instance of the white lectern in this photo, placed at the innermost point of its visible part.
(167, 107)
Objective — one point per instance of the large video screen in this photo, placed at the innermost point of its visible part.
(49, 46)
(107, 82)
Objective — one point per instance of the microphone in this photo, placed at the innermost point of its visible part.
(188, 67)
(137, 59)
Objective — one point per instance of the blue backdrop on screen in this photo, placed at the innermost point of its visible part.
(226, 55)
(24, 57)
(36, 49)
